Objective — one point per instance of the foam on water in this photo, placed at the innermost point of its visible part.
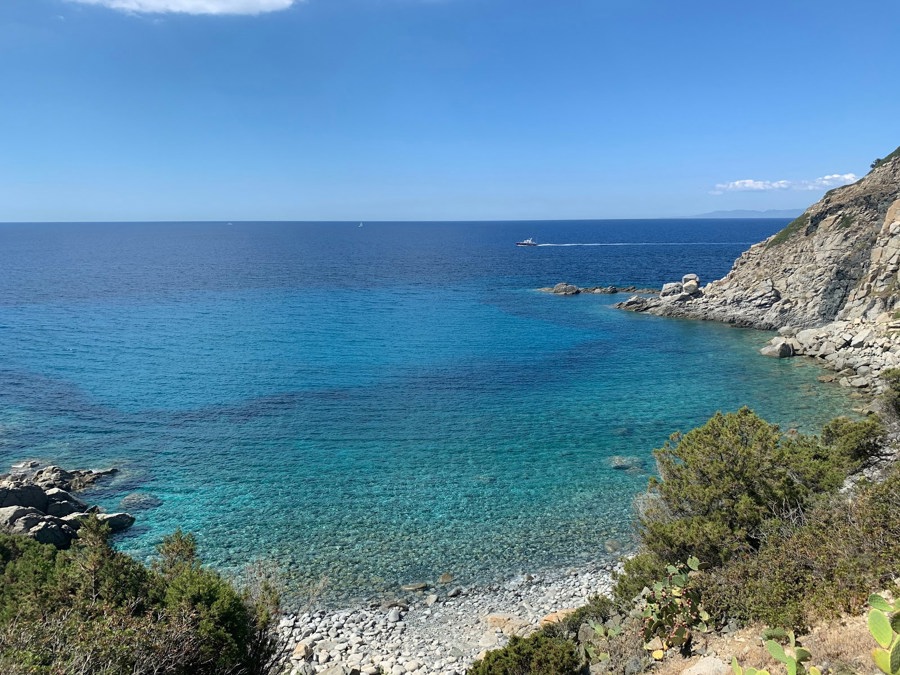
(380, 404)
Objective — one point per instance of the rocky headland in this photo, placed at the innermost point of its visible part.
(38, 502)
(828, 282)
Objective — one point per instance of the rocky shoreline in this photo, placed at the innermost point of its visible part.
(829, 283)
(38, 502)
(435, 630)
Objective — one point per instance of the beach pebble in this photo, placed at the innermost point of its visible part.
(431, 637)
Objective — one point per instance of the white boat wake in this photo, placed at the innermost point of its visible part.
(661, 243)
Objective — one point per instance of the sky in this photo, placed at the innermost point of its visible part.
(438, 109)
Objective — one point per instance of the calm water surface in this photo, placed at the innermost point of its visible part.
(377, 404)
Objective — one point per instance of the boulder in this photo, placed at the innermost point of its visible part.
(10, 514)
(690, 287)
(708, 665)
(508, 624)
(73, 520)
(116, 521)
(808, 338)
(558, 616)
(60, 503)
(674, 288)
(52, 531)
(690, 277)
(862, 338)
(778, 348)
(23, 521)
(566, 289)
(412, 588)
(56, 477)
(302, 652)
(22, 494)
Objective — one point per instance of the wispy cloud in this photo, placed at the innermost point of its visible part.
(750, 185)
(193, 6)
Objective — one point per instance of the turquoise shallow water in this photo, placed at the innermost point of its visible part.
(379, 404)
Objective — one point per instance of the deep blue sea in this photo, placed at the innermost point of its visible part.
(377, 404)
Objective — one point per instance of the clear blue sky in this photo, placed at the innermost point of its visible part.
(437, 109)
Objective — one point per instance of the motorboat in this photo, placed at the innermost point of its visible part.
(527, 242)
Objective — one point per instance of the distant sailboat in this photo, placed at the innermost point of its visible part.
(360, 224)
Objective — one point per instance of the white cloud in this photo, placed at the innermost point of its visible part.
(193, 6)
(750, 185)
(832, 180)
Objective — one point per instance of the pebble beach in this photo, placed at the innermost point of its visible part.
(437, 629)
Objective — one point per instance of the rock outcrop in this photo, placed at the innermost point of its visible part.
(834, 269)
(564, 288)
(40, 505)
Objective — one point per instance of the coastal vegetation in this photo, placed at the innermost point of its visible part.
(91, 609)
(746, 525)
(790, 230)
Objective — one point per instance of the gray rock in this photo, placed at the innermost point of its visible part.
(778, 348)
(22, 494)
(690, 287)
(708, 665)
(139, 501)
(52, 531)
(566, 289)
(10, 514)
(117, 521)
(419, 586)
(394, 615)
(671, 289)
(60, 503)
(625, 462)
(690, 277)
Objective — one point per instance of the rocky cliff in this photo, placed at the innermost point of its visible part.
(831, 277)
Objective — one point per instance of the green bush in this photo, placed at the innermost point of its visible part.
(639, 572)
(91, 609)
(891, 397)
(721, 482)
(790, 230)
(599, 609)
(535, 655)
(816, 569)
(854, 442)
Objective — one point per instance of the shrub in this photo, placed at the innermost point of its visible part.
(599, 609)
(722, 481)
(639, 572)
(790, 230)
(535, 655)
(856, 442)
(891, 396)
(818, 569)
(93, 610)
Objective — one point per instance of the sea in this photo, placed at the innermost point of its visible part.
(363, 405)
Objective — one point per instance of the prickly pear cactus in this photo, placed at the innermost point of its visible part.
(884, 625)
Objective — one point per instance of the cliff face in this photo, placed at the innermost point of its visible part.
(838, 261)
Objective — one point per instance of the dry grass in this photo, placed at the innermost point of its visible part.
(839, 647)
